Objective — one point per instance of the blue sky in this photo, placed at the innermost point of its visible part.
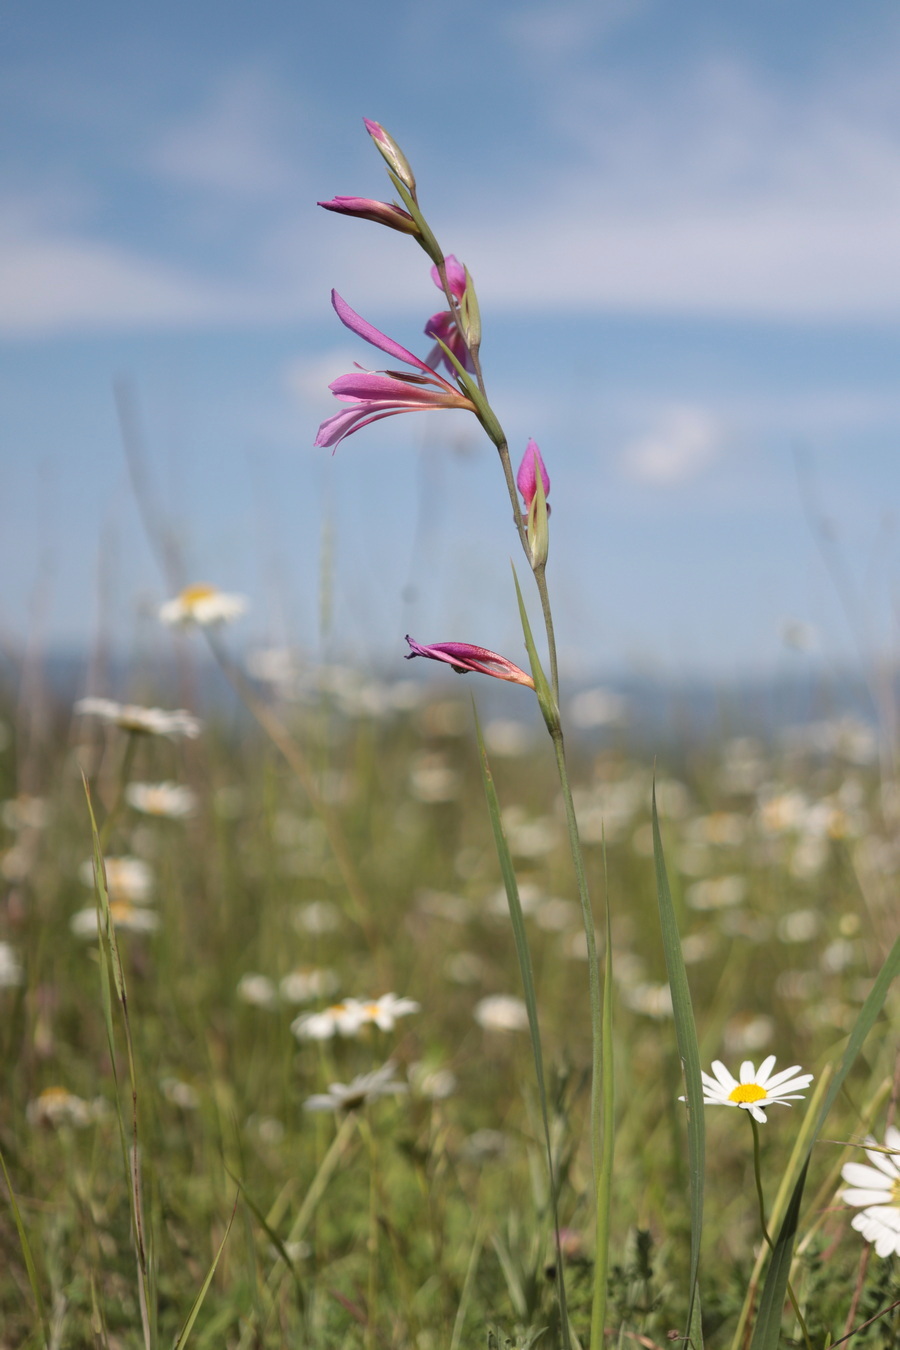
(682, 221)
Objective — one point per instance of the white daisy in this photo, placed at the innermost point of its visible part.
(144, 721)
(364, 1088)
(755, 1090)
(171, 800)
(306, 983)
(127, 879)
(57, 1106)
(384, 1011)
(345, 1019)
(877, 1189)
(202, 604)
(257, 990)
(125, 917)
(11, 972)
(501, 1012)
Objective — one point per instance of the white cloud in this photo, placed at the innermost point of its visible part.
(684, 440)
(233, 145)
(307, 378)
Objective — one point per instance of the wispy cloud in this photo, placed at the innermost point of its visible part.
(683, 441)
(234, 143)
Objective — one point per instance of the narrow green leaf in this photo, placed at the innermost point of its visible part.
(182, 1337)
(689, 1053)
(30, 1266)
(767, 1330)
(523, 953)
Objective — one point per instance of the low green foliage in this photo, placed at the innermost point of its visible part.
(423, 1219)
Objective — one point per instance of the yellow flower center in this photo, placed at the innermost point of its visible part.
(54, 1095)
(747, 1092)
(191, 595)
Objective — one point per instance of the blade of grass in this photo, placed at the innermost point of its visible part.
(182, 1338)
(767, 1330)
(689, 1053)
(27, 1255)
(524, 956)
(110, 959)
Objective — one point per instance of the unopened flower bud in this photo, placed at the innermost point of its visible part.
(392, 154)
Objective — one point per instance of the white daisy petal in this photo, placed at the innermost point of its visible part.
(882, 1161)
(781, 1078)
(747, 1072)
(765, 1069)
(727, 1080)
(862, 1196)
(860, 1175)
(875, 1189)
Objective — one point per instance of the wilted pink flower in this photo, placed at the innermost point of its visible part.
(377, 394)
(383, 213)
(526, 478)
(463, 657)
(442, 325)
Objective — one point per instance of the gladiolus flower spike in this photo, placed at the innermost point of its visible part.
(377, 394)
(443, 325)
(383, 213)
(463, 657)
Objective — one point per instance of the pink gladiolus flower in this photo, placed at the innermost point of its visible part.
(383, 393)
(463, 657)
(442, 325)
(526, 478)
(383, 213)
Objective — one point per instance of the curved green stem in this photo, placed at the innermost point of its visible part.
(757, 1173)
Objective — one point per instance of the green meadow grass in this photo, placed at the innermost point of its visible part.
(425, 1219)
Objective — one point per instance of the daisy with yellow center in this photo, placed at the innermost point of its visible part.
(202, 604)
(755, 1089)
(875, 1191)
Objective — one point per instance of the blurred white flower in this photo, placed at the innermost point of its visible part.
(341, 1019)
(143, 721)
(202, 604)
(11, 973)
(501, 1012)
(319, 916)
(653, 1000)
(432, 780)
(24, 813)
(179, 1093)
(507, 738)
(307, 983)
(366, 1087)
(257, 990)
(124, 915)
(171, 800)
(56, 1106)
(877, 1189)
(431, 1081)
(716, 892)
(384, 1011)
(748, 1033)
(127, 879)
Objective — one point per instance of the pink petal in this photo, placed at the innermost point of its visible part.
(369, 333)
(456, 276)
